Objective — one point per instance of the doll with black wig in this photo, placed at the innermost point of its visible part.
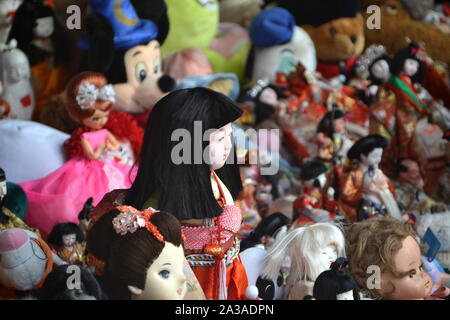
(67, 239)
(196, 190)
(336, 283)
(43, 39)
(367, 192)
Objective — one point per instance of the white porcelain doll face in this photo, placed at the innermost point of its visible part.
(17, 66)
(44, 27)
(345, 295)
(69, 240)
(2, 189)
(373, 158)
(165, 277)
(411, 67)
(380, 70)
(327, 256)
(220, 145)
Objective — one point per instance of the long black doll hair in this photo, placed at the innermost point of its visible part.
(184, 189)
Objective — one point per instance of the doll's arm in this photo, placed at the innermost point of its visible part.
(111, 143)
(91, 154)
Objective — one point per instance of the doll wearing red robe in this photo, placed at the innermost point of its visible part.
(313, 198)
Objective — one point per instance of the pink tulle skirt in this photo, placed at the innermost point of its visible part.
(60, 196)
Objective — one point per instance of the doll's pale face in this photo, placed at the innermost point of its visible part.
(44, 27)
(373, 158)
(269, 96)
(339, 125)
(380, 70)
(411, 67)
(220, 146)
(416, 283)
(327, 256)
(17, 67)
(345, 295)
(165, 277)
(2, 189)
(69, 240)
(97, 121)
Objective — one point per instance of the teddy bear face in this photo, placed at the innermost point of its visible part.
(338, 40)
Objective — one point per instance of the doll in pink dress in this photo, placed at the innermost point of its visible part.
(59, 196)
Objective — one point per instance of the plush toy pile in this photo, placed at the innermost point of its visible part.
(223, 149)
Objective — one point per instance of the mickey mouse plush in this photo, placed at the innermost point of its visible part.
(122, 41)
(337, 30)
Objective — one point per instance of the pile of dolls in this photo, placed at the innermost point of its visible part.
(270, 150)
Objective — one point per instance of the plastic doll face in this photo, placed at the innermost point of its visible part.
(339, 125)
(97, 121)
(416, 283)
(327, 256)
(345, 295)
(411, 67)
(413, 175)
(44, 27)
(373, 158)
(220, 146)
(269, 96)
(380, 70)
(69, 240)
(165, 277)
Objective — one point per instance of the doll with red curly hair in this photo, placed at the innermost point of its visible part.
(59, 196)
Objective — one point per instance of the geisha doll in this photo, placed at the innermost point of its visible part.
(67, 239)
(367, 192)
(43, 39)
(190, 177)
(59, 196)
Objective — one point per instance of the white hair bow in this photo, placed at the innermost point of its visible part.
(88, 94)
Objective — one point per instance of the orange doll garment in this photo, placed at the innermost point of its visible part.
(207, 270)
(49, 81)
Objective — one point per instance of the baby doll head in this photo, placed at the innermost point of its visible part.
(380, 69)
(336, 283)
(390, 245)
(65, 235)
(89, 99)
(368, 150)
(311, 249)
(143, 252)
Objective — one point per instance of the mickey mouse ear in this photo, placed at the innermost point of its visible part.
(272, 27)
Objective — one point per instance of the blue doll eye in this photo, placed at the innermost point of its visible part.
(164, 274)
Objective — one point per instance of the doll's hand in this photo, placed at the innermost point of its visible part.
(112, 146)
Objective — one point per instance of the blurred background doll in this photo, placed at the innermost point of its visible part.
(311, 250)
(18, 98)
(59, 196)
(67, 239)
(7, 10)
(367, 192)
(336, 283)
(143, 252)
(44, 40)
(391, 245)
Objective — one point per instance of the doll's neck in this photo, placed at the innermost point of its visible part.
(365, 167)
(43, 43)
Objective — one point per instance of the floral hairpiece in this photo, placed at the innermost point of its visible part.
(89, 93)
(130, 219)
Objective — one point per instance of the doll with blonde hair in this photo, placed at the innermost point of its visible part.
(59, 196)
(311, 250)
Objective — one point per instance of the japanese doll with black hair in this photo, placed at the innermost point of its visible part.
(60, 196)
(44, 40)
(188, 168)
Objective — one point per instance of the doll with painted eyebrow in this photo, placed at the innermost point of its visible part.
(390, 245)
(59, 196)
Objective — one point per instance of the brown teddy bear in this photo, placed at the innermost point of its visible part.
(337, 30)
(398, 22)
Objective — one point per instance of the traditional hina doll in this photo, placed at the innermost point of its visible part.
(43, 39)
(67, 239)
(189, 176)
(313, 205)
(59, 196)
(367, 192)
